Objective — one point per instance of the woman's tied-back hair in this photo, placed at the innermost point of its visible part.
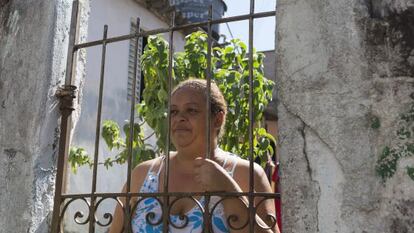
(218, 103)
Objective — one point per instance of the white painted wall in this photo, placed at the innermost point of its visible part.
(117, 15)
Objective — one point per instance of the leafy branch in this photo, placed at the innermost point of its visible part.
(404, 147)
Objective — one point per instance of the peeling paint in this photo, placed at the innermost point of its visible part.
(12, 23)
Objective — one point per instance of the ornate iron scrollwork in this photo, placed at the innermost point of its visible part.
(78, 215)
(270, 217)
(183, 216)
(232, 217)
(150, 217)
(107, 216)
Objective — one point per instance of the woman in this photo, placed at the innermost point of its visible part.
(191, 171)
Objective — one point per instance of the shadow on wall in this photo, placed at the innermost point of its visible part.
(3, 2)
(392, 33)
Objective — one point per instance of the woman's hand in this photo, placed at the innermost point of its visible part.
(211, 176)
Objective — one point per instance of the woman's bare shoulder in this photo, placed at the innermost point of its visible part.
(242, 173)
(143, 167)
(140, 171)
(243, 166)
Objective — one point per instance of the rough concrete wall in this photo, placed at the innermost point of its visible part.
(342, 65)
(33, 45)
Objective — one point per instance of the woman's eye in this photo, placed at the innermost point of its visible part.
(173, 112)
(192, 111)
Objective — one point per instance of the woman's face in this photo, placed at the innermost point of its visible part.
(188, 119)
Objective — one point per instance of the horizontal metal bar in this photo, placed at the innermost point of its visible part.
(175, 28)
(171, 194)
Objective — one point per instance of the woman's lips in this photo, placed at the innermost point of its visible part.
(181, 130)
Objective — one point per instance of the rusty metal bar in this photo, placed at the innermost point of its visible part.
(128, 213)
(72, 41)
(176, 194)
(98, 133)
(166, 199)
(66, 95)
(206, 215)
(251, 119)
(177, 28)
(144, 196)
(208, 78)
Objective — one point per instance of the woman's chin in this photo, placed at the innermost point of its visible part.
(182, 144)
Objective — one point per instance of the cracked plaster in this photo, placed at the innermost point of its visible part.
(340, 64)
(33, 47)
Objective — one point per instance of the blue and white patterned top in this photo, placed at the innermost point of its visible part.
(195, 216)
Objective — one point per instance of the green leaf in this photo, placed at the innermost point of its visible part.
(111, 133)
(410, 172)
(375, 122)
(78, 157)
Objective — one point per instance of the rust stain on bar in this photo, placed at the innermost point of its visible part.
(176, 28)
(206, 215)
(98, 132)
(251, 118)
(175, 194)
(166, 199)
(128, 212)
(65, 123)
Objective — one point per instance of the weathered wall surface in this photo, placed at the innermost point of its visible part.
(345, 73)
(33, 45)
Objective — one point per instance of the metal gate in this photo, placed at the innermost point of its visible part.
(94, 198)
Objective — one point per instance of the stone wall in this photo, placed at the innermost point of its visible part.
(33, 47)
(345, 73)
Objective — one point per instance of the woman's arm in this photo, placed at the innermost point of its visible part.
(214, 178)
(239, 207)
(137, 178)
(118, 216)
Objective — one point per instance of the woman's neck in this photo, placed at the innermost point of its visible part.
(185, 157)
(190, 155)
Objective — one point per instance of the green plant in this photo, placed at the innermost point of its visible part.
(403, 147)
(410, 172)
(78, 157)
(230, 72)
(375, 122)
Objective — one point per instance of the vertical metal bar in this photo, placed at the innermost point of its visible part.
(98, 132)
(72, 40)
(127, 218)
(251, 118)
(65, 125)
(208, 74)
(207, 223)
(166, 199)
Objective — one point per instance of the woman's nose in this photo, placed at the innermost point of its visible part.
(181, 116)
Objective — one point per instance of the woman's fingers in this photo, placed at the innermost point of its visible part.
(201, 173)
(198, 163)
(208, 174)
(197, 179)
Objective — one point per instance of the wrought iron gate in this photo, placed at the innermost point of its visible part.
(67, 95)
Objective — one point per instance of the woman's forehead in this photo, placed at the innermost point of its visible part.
(187, 104)
(188, 93)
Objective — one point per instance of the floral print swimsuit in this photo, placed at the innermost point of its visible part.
(195, 216)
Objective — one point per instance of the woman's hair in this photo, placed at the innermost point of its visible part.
(218, 103)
